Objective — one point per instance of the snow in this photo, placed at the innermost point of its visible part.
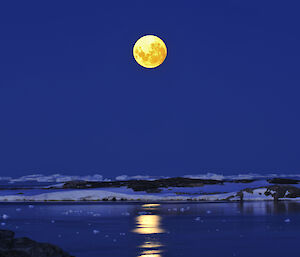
(98, 195)
(138, 177)
(257, 194)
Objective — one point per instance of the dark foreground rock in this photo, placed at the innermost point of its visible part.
(25, 247)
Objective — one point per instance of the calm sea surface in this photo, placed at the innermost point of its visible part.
(161, 230)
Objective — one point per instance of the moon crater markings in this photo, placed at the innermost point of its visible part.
(150, 51)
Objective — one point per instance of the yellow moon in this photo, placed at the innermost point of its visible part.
(149, 51)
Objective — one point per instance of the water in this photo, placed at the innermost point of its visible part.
(160, 230)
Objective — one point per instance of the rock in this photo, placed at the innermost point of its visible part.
(276, 191)
(282, 191)
(283, 181)
(6, 239)
(245, 181)
(25, 247)
(13, 253)
(149, 186)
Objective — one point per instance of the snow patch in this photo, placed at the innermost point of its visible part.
(137, 177)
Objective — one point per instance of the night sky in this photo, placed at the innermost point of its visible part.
(74, 101)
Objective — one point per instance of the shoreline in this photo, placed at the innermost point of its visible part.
(134, 202)
(162, 190)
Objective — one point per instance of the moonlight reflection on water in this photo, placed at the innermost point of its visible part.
(149, 224)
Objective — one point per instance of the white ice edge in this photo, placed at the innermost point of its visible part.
(100, 195)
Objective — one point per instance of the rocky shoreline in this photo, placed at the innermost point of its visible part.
(169, 189)
(25, 247)
(153, 185)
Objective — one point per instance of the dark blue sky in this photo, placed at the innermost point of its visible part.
(74, 101)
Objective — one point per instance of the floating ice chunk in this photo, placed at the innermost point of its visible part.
(115, 240)
(95, 231)
(59, 235)
(125, 213)
(52, 221)
(18, 209)
(96, 215)
(3, 223)
(208, 211)
(287, 220)
(106, 235)
(5, 216)
(197, 219)
(182, 209)
(122, 234)
(30, 206)
(77, 233)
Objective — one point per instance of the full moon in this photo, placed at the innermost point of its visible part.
(149, 51)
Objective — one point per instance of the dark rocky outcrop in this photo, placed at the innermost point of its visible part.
(151, 186)
(282, 191)
(283, 181)
(25, 247)
(245, 181)
(276, 191)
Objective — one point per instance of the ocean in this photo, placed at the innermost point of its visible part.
(263, 228)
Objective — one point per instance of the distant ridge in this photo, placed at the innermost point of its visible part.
(60, 178)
